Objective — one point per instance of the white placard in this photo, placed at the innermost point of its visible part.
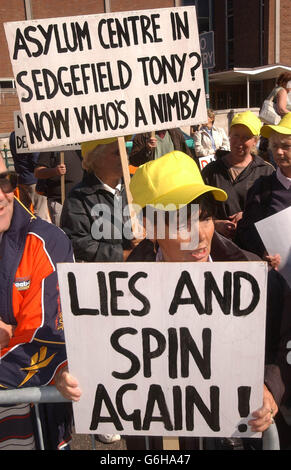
(96, 76)
(154, 355)
(203, 161)
(275, 234)
(21, 141)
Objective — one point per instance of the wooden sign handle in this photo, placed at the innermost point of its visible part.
(62, 161)
(136, 229)
(171, 443)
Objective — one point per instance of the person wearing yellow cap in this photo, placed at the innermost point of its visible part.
(237, 171)
(169, 185)
(270, 194)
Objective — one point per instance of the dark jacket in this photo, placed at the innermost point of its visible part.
(73, 176)
(140, 154)
(266, 197)
(278, 321)
(217, 174)
(29, 299)
(93, 221)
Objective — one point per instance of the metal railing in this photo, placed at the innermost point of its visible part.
(49, 394)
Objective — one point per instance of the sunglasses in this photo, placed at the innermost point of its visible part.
(8, 181)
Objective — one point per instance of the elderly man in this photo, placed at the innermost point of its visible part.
(31, 327)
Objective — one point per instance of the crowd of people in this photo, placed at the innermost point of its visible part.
(234, 191)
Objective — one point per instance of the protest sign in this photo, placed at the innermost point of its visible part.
(275, 234)
(109, 75)
(21, 141)
(165, 348)
(203, 161)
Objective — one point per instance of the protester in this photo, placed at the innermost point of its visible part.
(31, 327)
(209, 138)
(237, 171)
(50, 169)
(282, 99)
(24, 165)
(270, 194)
(175, 179)
(93, 213)
(146, 147)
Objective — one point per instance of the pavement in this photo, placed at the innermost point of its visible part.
(87, 442)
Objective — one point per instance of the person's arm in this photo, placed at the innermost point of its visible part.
(36, 347)
(277, 374)
(247, 236)
(263, 417)
(6, 333)
(67, 385)
(43, 172)
(226, 228)
(143, 148)
(281, 102)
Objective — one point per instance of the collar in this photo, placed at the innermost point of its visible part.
(114, 191)
(286, 182)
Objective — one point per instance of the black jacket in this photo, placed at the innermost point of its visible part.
(266, 197)
(217, 174)
(93, 222)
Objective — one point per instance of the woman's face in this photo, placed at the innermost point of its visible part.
(174, 249)
(242, 141)
(209, 123)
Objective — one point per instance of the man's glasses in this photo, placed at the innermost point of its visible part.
(8, 181)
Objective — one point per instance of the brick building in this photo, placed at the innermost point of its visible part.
(249, 35)
(18, 10)
(252, 40)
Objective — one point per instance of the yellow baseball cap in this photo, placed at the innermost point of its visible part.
(284, 127)
(248, 119)
(92, 144)
(171, 179)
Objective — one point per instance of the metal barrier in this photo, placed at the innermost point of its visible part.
(34, 395)
(50, 394)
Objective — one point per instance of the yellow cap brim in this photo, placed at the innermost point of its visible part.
(180, 197)
(267, 130)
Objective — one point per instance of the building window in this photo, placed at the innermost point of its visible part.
(6, 83)
(204, 11)
(229, 35)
